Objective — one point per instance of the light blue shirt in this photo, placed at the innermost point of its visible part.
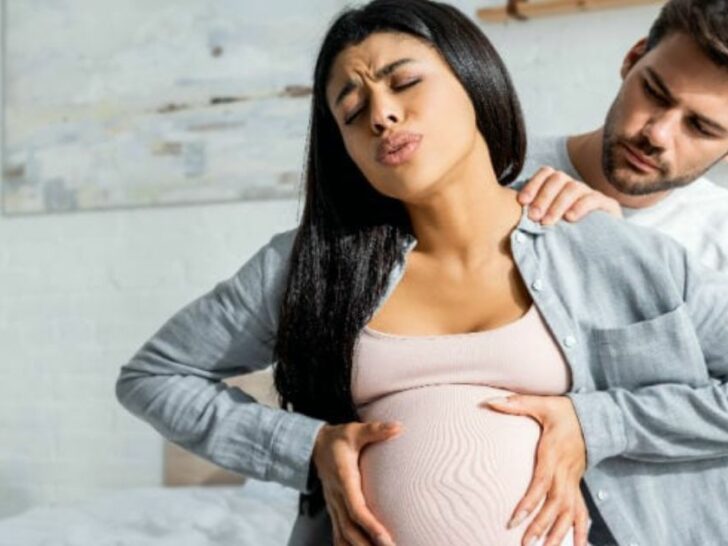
(642, 325)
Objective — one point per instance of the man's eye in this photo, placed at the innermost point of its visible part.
(653, 93)
(699, 128)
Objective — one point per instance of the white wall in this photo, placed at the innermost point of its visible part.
(79, 293)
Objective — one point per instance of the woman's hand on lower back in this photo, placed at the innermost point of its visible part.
(336, 456)
(560, 465)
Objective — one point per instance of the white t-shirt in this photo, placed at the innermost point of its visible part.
(696, 216)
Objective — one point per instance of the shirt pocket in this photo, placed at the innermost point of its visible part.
(664, 349)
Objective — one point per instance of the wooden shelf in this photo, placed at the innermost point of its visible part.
(523, 9)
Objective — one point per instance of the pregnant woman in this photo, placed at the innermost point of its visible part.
(415, 289)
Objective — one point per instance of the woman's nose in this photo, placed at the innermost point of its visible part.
(384, 114)
(380, 126)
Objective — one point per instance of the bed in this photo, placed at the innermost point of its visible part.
(255, 514)
(199, 504)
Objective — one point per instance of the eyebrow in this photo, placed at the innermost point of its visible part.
(350, 85)
(665, 90)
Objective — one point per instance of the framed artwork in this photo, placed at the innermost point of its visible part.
(136, 104)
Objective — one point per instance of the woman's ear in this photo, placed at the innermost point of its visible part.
(633, 56)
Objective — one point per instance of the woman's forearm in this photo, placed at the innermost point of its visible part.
(222, 424)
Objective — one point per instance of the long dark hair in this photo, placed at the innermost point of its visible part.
(350, 236)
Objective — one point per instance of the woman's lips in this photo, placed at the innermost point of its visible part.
(398, 148)
(639, 161)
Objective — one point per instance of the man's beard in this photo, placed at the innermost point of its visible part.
(636, 183)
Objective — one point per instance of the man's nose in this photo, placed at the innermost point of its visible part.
(662, 128)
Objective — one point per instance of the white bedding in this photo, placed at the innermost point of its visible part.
(256, 514)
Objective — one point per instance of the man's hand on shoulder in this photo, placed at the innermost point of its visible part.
(553, 195)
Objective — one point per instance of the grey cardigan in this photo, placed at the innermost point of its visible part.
(642, 325)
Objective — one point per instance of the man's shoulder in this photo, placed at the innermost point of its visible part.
(704, 190)
(547, 150)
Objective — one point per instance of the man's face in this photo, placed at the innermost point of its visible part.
(669, 123)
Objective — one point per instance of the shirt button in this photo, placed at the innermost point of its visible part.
(520, 237)
(602, 495)
(537, 285)
(569, 341)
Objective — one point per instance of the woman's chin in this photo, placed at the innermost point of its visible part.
(409, 190)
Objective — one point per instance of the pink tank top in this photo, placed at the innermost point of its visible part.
(456, 473)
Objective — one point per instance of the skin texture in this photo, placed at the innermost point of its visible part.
(461, 217)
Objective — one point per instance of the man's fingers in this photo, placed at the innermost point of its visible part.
(590, 202)
(582, 207)
(532, 187)
(570, 193)
(547, 194)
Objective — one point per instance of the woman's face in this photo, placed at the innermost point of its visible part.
(404, 117)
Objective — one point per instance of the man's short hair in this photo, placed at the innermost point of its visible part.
(706, 21)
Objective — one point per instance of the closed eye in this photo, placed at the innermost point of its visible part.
(695, 124)
(406, 85)
(653, 93)
(397, 88)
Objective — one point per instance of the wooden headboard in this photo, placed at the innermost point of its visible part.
(183, 468)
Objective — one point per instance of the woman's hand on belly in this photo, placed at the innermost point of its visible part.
(560, 465)
(336, 456)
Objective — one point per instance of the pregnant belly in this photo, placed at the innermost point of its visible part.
(456, 472)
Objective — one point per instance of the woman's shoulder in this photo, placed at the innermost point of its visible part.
(271, 260)
(281, 243)
(601, 237)
(604, 229)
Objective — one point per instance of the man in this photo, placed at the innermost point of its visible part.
(667, 126)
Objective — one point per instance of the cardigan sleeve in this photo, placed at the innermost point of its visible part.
(174, 382)
(670, 422)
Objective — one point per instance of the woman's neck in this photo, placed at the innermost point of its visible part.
(469, 217)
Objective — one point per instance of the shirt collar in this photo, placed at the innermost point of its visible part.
(528, 225)
(525, 224)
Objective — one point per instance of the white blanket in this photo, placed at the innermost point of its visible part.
(256, 514)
